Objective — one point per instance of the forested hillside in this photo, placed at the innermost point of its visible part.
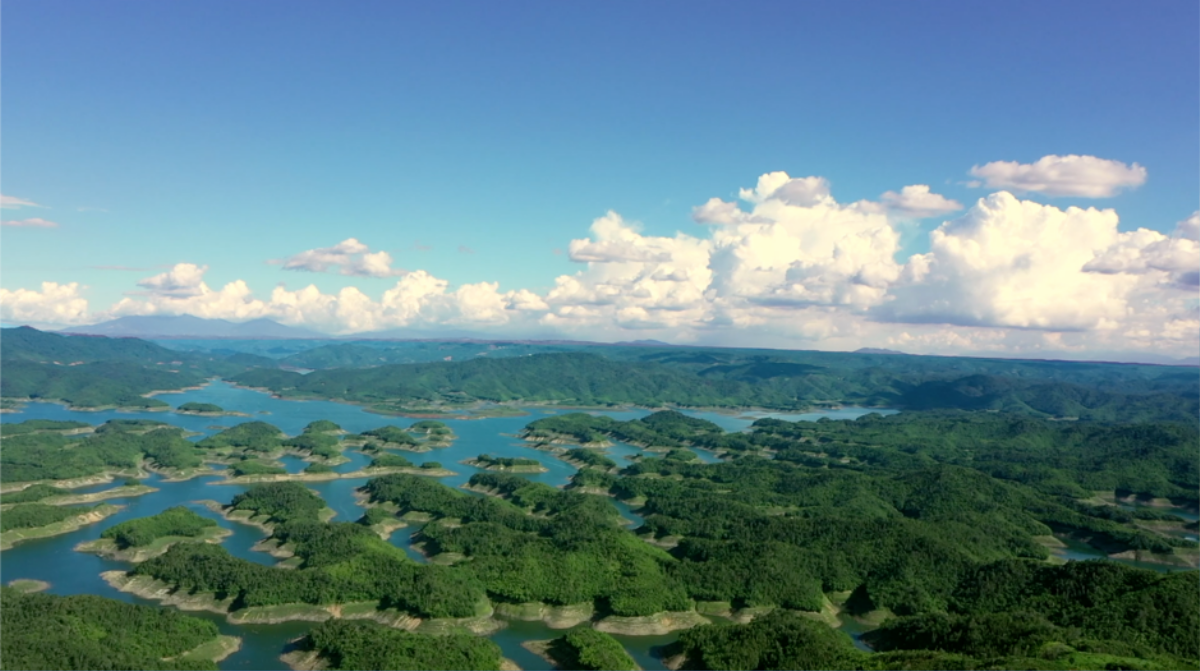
(1145, 393)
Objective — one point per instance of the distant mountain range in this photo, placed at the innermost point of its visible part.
(876, 350)
(187, 326)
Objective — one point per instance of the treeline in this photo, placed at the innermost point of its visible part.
(667, 428)
(31, 515)
(115, 445)
(698, 379)
(354, 645)
(246, 437)
(488, 461)
(1017, 607)
(1058, 458)
(43, 631)
(1013, 614)
(175, 521)
(590, 650)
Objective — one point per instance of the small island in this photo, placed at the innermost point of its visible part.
(584, 649)
(140, 539)
(206, 410)
(506, 464)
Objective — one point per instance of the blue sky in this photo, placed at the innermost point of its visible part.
(473, 140)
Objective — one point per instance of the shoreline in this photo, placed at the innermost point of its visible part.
(106, 548)
(13, 537)
(364, 473)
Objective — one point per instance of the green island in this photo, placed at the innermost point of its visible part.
(140, 539)
(506, 464)
(584, 648)
(353, 645)
(27, 521)
(43, 631)
(205, 410)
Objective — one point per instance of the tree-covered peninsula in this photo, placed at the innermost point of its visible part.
(43, 631)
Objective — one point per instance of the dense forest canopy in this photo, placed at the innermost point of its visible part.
(43, 631)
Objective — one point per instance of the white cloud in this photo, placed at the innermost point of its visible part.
(798, 246)
(181, 281)
(14, 203)
(349, 256)
(56, 304)
(30, 223)
(918, 202)
(1083, 176)
(1189, 228)
(1021, 264)
(788, 266)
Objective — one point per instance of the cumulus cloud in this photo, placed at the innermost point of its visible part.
(184, 279)
(1072, 175)
(14, 203)
(349, 257)
(54, 304)
(1021, 264)
(916, 201)
(798, 246)
(30, 223)
(1189, 228)
(784, 266)
(1144, 251)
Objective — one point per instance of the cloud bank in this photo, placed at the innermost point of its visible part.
(786, 265)
(1082, 176)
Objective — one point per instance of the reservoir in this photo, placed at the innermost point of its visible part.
(55, 561)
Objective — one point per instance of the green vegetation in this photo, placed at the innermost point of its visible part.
(255, 467)
(392, 435)
(431, 465)
(572, 552)
(246, 437)
(590, 650)
(279, 502)
(115, 446)
(390, 461)
(506, 463)
(43, 631)
(176, 521)
(590, 458)
(321, 426)
(1005, 615)
(740, 378)
(33, 493)
(431, 427)
(31, 515)
(318, 468)
(91, 385)
(200, 408)
(1017, 607)
(347, 644)
(315, 443)
(32, 425)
